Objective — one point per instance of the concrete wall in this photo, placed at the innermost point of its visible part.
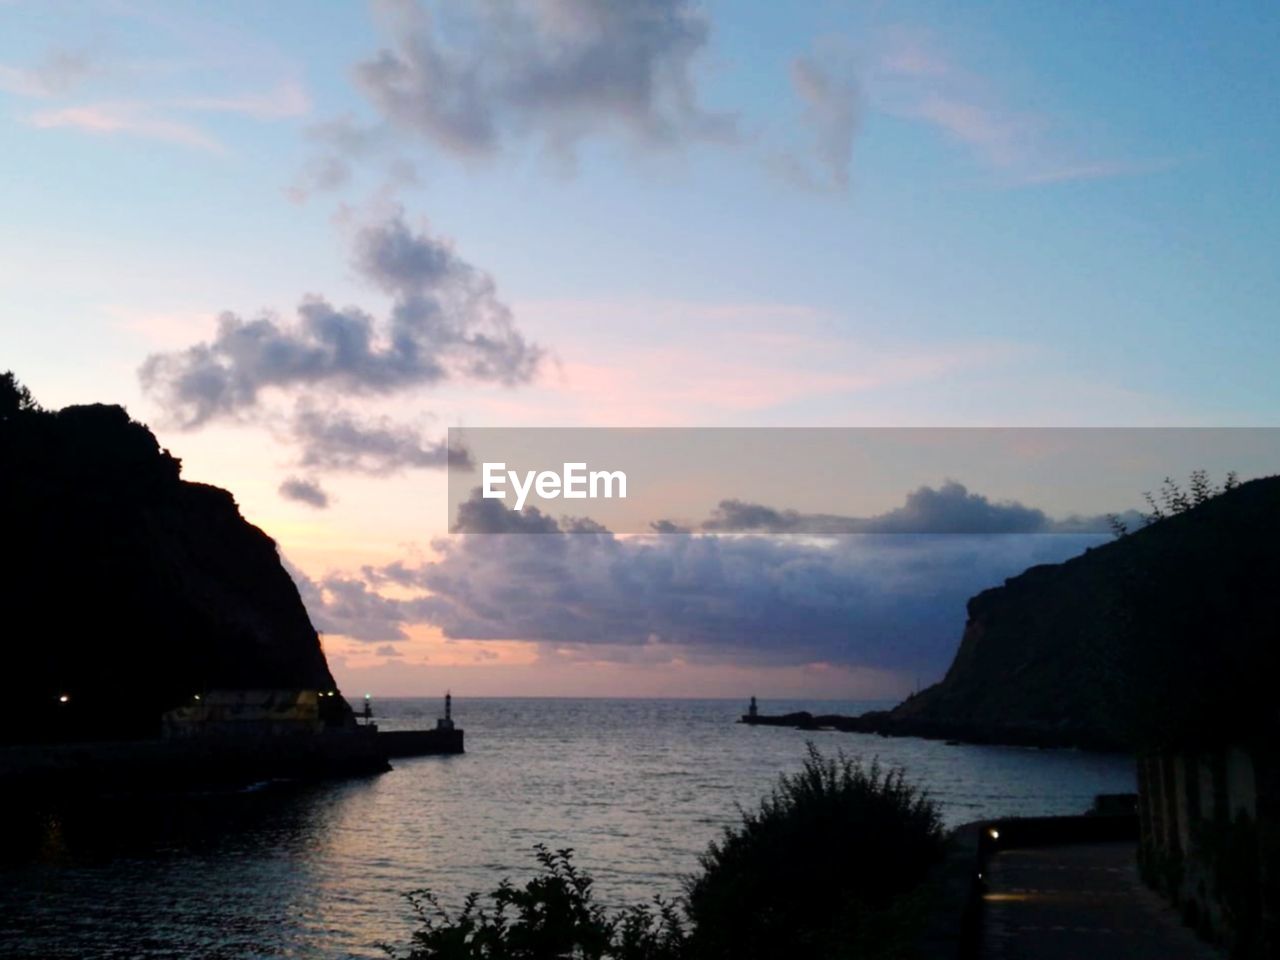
(1209, 830)
(147, 765)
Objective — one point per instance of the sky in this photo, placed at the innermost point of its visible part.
(301, 241)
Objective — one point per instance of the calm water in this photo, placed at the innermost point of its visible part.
(637, 787)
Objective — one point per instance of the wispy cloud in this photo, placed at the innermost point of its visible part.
(131, 119)
(124, 101)
(56, 74)
(824, 83)
(721, 362)
(915, 80)
(289, 99)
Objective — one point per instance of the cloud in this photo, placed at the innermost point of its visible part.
(337, 440)
(446, 322)
(347, 607)
(468, 78)
(133, 111)
(478, 515)
(947, 509)
(951, 508)
(826, 87)
(57, 74)
(916, 81)
(668, 526)
(304, 491)
(337, 144)
(167, 120)
(288, 99)
(318, 174)
(125, 118)
(886, 602)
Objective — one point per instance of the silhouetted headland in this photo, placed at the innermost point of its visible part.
(156, 637)
(1166, 635)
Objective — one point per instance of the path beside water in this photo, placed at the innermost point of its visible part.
(1079, 901)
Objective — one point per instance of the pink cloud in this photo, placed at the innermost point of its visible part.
(125, 118)
(289, 99)
(715, 364)
(1001, 139)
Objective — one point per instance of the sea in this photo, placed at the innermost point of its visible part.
(637, 788)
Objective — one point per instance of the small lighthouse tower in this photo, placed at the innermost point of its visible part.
(753, 711)
(446, 722)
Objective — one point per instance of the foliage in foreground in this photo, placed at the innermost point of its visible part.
(554, 915)
(827, 858)
(829, 866)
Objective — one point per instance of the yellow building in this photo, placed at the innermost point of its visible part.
(245, 712)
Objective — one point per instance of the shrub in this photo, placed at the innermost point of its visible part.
(829, 855)
(555, 915)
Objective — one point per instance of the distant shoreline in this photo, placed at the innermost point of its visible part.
(885, 724)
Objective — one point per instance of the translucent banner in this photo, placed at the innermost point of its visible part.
(834, 481)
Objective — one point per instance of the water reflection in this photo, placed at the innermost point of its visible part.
(637, 787)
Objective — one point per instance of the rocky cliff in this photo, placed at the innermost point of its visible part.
(1170, 634)
(127, 589)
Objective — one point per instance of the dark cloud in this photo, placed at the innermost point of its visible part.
(947, 509)
(468, 77)
(348, 607)
(446, 322)
(388, 650)
(882, 601)
(304, 491)
(951, 508)
(667, 526)
(340, 441)
(478, 515)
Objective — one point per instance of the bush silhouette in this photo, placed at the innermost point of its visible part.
(802, 876)
(554, 915)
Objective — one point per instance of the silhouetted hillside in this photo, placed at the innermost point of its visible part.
(1170, 634)
(127, 589)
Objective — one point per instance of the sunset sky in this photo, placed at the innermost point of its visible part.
(301, 240)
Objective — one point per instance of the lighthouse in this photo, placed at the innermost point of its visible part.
(446, 722)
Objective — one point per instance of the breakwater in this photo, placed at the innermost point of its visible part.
(212, 761)
(419, 743)
(888, 723)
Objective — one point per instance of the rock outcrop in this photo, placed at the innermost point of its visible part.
(1168, 634)
(126, 589)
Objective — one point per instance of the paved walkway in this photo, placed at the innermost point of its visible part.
(1079, 902)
